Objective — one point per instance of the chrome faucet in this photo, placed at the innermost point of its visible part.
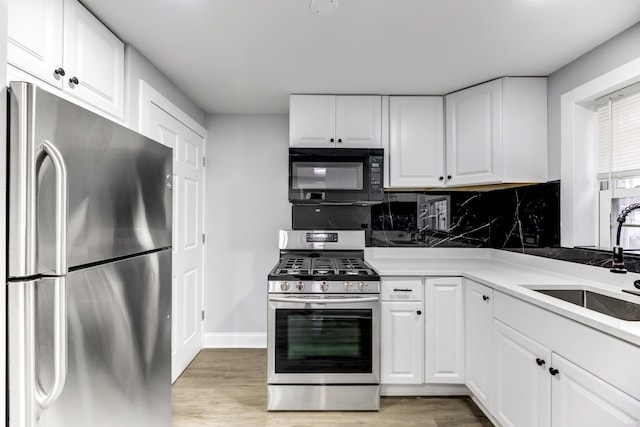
(618, 256)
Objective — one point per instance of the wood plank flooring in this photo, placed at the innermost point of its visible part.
(226, 387)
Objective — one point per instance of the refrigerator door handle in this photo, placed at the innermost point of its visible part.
(60, 297)
(59, 346)
(62, 201)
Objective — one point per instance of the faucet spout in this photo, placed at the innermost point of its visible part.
(618, 253)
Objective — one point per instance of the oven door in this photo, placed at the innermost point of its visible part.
(323, 339)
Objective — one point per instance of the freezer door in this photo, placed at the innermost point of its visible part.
(116, 356)
(118, 185)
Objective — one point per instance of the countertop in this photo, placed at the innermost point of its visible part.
(512, 274)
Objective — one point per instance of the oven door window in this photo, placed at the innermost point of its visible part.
(327, 175)
(323, 341)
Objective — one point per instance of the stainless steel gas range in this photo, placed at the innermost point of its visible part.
(323, 324)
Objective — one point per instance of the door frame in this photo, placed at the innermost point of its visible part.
(147, 97)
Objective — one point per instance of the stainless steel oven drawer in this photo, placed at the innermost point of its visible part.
(323, 398)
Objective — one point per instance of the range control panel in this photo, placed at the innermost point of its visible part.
(322, 237)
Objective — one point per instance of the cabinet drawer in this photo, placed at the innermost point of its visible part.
(402, 289)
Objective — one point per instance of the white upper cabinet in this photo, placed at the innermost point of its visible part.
(35, 38)
(474, 145)
(94, 57)
(496, 132)
(326, 121)
(416, 141)
(61, 43)
(312, 120)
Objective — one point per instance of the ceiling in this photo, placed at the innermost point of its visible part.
(247, 56)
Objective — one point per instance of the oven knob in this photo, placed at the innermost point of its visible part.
(324, 286)
(362, 286)
(284, 286)
(300, 286)
(347, 286)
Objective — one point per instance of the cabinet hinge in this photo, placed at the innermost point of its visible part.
(202, 314)
(204, 162)
(203, 238)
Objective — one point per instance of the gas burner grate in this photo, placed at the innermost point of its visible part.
(293, 265)
(355, 272)
(351, 264)
(323, 266)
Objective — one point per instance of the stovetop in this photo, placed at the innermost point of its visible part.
(325, 265)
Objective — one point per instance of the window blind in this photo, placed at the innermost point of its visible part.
(619, 135)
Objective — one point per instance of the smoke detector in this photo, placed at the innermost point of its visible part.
(324, 7)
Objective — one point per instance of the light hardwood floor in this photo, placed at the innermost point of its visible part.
(226, 387)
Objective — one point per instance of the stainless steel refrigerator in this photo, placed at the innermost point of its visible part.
(89, 268)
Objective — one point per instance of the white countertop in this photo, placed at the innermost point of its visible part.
(507, 272)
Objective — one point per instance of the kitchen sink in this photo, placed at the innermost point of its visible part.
(615, 307)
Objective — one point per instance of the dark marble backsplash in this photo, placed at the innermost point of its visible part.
(522, 217)
(586, 256)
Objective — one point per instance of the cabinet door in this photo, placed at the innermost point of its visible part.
(582, 399)
(522, 384)
(94, 56)
(312, 121)
(444, 338)
(416, 141)
(358, 121)
(401, 343)
(35, 38)
(478, 322)
(474, 140)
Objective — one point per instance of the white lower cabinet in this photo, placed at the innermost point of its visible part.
(527, 367)
(478, 330)
(444, 330)
(402, 338)
(521, 381)
(534, 385)
(402, 331)
(581, 399)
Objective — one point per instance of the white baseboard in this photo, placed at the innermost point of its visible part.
(235, 340)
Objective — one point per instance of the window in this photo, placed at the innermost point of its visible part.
(618, 165)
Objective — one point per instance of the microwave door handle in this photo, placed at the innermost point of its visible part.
(302, 300)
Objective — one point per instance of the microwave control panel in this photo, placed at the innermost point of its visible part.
(375, 174)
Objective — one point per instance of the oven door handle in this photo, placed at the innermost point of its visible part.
(303, 300)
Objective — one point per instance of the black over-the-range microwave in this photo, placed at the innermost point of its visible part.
(335, 175)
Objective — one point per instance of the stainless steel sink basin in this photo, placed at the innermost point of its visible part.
(615, 307)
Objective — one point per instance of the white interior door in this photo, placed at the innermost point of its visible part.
(188, 245)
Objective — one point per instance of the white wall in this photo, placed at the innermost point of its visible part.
(613, 53)
(3, 204)
(247, 203)
(139, 68)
